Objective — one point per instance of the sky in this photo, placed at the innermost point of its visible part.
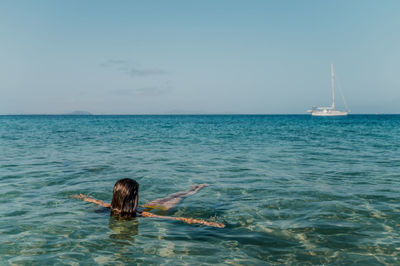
(198, 57)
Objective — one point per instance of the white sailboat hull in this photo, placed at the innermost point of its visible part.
(329, 113)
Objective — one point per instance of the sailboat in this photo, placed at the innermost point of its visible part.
(329, 111)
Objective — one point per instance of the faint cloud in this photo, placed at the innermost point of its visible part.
(129, 69)
(146, 91)
(152, 91)
(123, 92)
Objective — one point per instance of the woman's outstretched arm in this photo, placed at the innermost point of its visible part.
(185, 220)
(173, 199)
(92, 200)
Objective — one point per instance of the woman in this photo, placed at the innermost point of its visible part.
(126, 198)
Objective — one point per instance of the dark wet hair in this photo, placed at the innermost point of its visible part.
(125, 198)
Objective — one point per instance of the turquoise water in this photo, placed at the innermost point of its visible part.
(291, 189)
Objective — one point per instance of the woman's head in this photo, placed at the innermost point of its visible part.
(125, 198)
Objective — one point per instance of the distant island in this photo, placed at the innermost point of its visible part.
(80, 113)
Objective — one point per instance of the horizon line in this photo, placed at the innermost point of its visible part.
(178, 114)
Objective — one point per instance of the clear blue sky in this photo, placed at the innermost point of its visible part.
(136, 57)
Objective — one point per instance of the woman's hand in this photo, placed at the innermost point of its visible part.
(92, 200)
(80, 196)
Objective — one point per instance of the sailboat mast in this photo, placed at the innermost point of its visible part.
(333, 87)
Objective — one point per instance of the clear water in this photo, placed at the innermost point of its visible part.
(291, 189)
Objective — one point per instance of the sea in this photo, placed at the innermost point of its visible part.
(291, 189)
